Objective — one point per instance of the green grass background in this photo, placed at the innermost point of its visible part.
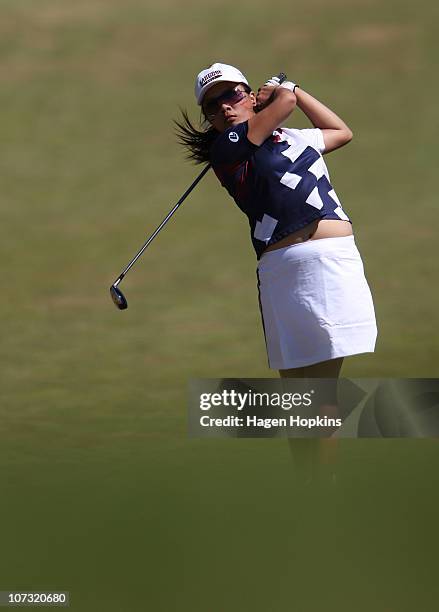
(102, 494)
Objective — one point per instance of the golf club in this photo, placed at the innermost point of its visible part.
(116, 294)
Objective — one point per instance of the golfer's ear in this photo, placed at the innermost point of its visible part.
(253, 97)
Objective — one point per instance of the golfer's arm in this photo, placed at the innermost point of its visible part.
(335, 131)
(263, 124)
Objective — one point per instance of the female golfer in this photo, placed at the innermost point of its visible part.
(316, 305)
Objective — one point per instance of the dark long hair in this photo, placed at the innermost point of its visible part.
(197, 141)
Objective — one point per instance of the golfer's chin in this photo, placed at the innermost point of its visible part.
(231, 121)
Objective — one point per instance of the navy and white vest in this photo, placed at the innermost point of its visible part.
(281, 185)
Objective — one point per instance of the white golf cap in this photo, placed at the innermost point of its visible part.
(215, 74)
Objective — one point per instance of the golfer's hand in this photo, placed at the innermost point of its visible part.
(264, 96)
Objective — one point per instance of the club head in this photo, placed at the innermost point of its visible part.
(118, 298)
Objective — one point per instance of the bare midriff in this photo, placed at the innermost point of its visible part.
(321, 228)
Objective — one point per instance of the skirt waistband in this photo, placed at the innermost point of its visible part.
(336, 247)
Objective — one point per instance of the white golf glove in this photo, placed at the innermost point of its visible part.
(274, 82)
(289, 85)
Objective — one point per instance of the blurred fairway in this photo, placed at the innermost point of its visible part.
(102, 493)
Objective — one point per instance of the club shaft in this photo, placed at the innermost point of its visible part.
(165, 220)
(281, 76)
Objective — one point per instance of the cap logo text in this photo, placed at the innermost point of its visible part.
(210, 76)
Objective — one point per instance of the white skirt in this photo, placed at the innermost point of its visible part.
(315, 303)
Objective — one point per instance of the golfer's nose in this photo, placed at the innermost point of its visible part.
(225, 108)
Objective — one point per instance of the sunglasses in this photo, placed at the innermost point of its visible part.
(231, 96)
